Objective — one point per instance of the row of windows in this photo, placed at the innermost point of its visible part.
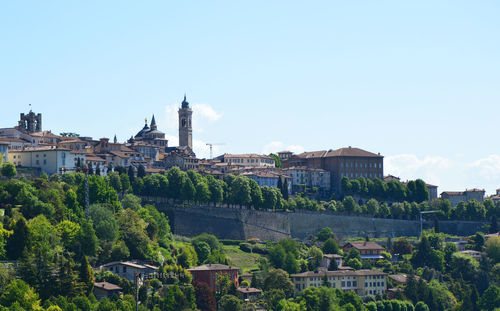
(367, 175)
(376, 277)
(361, 164)
(38, 162)
(372, 284)
(251, 161)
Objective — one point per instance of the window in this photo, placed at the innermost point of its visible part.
(37, 162)
(44, 161)
(355, 283)
(348, 283)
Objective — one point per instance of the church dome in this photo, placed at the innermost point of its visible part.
(144, 130)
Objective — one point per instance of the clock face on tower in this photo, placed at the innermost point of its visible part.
(183, 122)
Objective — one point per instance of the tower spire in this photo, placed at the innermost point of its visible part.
(153, 123)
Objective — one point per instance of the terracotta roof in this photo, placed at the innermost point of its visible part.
(400, 278)
(213, 266)
(129, 264)
(42, 148)
(247, 155)
(365, 245)
(332, 256)
(351, 152)
(339, 273)
(250, 290)
(14, 140)
(107, 286)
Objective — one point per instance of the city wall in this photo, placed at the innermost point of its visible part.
(240, 224)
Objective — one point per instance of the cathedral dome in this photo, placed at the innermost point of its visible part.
(144, 130)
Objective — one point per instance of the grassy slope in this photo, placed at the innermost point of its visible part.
(245, 261)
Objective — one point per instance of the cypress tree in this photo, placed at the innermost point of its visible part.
(85, 274)
(494, 224)
(98, 170)
(18, 240)
(280, 184)
(131, 174)
(284, 191)
(333, 265)
(141, 171)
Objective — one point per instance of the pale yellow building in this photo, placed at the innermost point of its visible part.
(362, 282)
(50, 159)
(248, 159)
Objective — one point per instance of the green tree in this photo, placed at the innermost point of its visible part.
(105, 223)
(188, 191)
(240, 191)
(87, 239)
(132, 202)
(131, 174)
(17, 242)
(330, 247)
(216, 189)
(421, 306)
(141, 171)
(202, 250)
(230, 303)
(278, 278)
(490, 298)
(20, 296)
(493, 248)
(325, 234)
(269, 197)
(402, 247)
(9, 170)
(255, 194)
(333, 265)
(424, 255)
(125, 182)
(277, 160)
(85, 274)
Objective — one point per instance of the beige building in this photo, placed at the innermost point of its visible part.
(362, 282)
(456, 197)
(50, 159)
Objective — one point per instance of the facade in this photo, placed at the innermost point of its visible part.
(263, 178)
(16, 143)
(249, 294)
(248, 159)
(185, 125)
(106, 290)
(209, 274)
(345, 162)
(309, 177)
(456, 197)
(129, 270)
(50, 159)
(362, 282)
(367, 250)
(327, 258)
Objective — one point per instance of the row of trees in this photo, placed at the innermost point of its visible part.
(242, 191)
(395, 191)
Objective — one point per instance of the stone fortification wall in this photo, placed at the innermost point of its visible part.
(240, 224)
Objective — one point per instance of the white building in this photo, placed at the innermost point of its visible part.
(129, 270)
(49, 159)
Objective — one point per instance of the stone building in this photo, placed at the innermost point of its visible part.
(30, 123)
(345, 162)
(185, 125)
(456, 197)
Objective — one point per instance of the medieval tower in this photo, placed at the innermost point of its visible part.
(185, 125)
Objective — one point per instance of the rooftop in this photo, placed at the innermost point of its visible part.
(365, 245)
(212, 267)
(339, 273)
(107, 286)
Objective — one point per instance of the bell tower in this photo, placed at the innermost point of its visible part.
(185, 125)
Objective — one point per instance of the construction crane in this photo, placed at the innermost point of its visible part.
(211, 145)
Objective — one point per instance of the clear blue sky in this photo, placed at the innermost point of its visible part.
(417, 81)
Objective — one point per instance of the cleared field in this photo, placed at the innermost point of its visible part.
(245, 261)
